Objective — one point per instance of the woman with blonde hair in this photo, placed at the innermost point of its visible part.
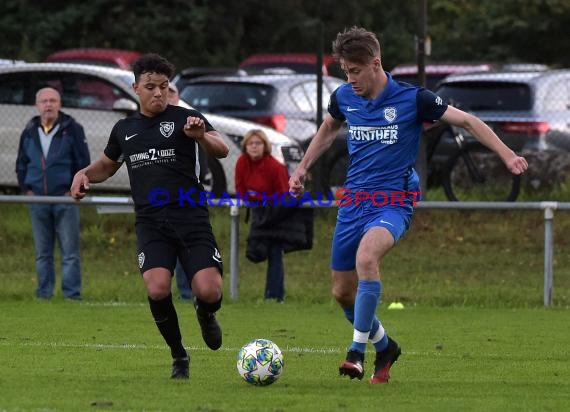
(275, 228)
(259, 175)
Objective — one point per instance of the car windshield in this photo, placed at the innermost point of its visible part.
(221, 97)
(128, 79)
(493, 96)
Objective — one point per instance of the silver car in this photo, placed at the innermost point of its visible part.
(97, 97)
(528, 110)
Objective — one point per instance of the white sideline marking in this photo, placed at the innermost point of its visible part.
(128, 346)
(292, 349)
(112, 304)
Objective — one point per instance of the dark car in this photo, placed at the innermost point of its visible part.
(190, 73)
(287, 103)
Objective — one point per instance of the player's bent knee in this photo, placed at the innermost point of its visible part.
(158, 282)
(207, 285)
(366, 267)
(158, 294)
(158, 290)
(211, 294)
(343, 296)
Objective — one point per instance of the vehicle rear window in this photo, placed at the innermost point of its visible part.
(222, 97)
(495, 96)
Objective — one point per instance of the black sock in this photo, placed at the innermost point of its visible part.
(166, 320)
(204, 308)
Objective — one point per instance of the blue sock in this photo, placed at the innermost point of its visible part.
(367, 297)
(379, 345)
(378, 336)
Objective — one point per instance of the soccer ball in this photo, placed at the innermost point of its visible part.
(260, 362)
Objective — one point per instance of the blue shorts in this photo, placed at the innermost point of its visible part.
(354, 221)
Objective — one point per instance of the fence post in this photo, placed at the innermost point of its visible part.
(234, 251)
(548, 250)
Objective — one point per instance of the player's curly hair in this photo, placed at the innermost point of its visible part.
(152, 63)
(356, 45)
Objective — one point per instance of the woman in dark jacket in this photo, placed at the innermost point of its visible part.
(275, 228)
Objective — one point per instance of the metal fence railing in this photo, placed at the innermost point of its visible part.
(107, 204)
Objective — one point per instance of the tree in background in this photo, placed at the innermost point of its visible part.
(223, 32)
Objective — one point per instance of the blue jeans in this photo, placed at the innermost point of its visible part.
(182, 282)
(48, 222)
(275, 282)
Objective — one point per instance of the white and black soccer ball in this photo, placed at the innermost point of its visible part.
(260, 362)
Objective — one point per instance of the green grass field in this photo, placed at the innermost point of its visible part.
(474, 333)
(69, 356)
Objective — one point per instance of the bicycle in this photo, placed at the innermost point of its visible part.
(471, 171)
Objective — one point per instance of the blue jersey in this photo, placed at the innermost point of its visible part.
(383, 134)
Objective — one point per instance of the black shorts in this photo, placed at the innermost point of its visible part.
(160, 243)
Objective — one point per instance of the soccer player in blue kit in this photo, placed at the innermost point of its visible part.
(160, 147)
(384, 119)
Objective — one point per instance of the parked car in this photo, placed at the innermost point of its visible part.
(297, 62)
(98, 97)
(435, 72)
(10, 62)
(121, 59)
(184, 77)
(528, 110)
(287, 103)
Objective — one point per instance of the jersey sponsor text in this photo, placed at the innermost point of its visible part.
(152, 156)
(383, 134)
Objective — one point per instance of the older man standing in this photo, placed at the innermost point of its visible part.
(52, 149)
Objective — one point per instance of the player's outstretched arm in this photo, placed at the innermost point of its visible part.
(98, 171)
(212, 142)
(483, 133)
(319, 144)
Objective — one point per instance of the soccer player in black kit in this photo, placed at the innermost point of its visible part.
(160, 147)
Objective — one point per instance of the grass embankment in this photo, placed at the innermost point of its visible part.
(465, 258)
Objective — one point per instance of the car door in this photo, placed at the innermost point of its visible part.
(16, 108)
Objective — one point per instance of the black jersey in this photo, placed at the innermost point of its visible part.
(163, 163)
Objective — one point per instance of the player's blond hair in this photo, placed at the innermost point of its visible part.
(256, 133)
(356, 45)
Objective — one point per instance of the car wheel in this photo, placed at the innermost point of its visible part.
(213, 178)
